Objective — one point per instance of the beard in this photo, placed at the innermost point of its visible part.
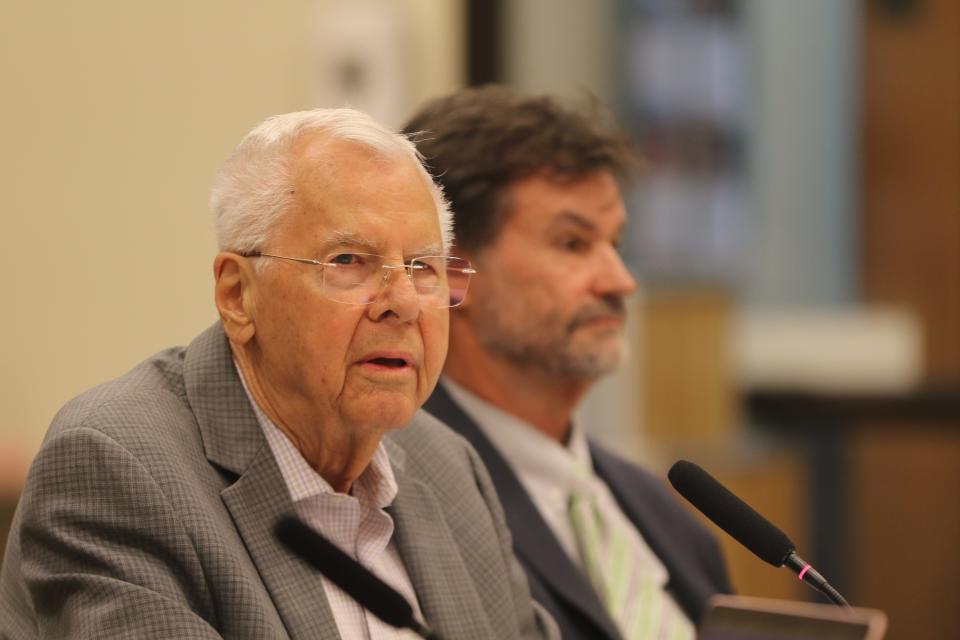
(538, 336)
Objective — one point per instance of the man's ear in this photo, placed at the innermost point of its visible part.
(233, 295)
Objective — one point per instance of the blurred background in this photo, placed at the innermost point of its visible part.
(797, 233)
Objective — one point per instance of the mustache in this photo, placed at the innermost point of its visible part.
(607, 306)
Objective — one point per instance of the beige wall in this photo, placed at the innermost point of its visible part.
(115, 114)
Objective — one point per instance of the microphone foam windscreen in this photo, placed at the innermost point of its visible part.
(730, 513)
(356, 580)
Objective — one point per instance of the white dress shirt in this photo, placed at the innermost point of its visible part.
(355, 522)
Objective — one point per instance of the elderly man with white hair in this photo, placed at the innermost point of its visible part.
(149, 510)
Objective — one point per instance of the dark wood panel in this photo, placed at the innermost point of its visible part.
(484, 41)
(911, 169)
(905, 481)
(905, 506)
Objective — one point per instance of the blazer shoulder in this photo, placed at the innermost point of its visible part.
(426, 435)
(608, 462)
(640, 490)
(649, 502)
(133, 407)
(632, 482)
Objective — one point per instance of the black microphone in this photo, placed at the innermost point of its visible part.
(745, 525)
(353, 578)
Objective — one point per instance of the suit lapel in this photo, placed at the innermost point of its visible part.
(533, 541)
(256, 500)
(629, 495)
(234, 442)
(452, 607)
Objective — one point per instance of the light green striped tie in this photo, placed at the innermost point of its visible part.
(639, 605)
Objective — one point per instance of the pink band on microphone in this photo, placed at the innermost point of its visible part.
(803, 571)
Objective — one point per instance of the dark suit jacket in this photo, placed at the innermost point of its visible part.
(148, 513)
(690, 554)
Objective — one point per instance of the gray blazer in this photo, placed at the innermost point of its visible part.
(148, 513)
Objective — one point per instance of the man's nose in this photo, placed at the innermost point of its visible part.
(613, 277)
(398, 295)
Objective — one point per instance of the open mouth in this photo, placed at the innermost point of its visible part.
(389, 363)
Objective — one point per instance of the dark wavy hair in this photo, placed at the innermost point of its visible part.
(478, 141)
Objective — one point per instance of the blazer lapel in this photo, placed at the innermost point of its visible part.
(234, 442)
(629, 493)
(256, 500)
(533, 541)
(431, 557)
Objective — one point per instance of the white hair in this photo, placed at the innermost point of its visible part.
(254, 187)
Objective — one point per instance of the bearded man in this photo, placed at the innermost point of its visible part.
(535, 186)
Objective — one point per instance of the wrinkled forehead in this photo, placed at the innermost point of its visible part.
(352, 196)
(317, 159)
(340, 240)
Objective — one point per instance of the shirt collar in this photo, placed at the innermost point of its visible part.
(525, 447)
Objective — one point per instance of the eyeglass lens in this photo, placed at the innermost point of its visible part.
(354, 278)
